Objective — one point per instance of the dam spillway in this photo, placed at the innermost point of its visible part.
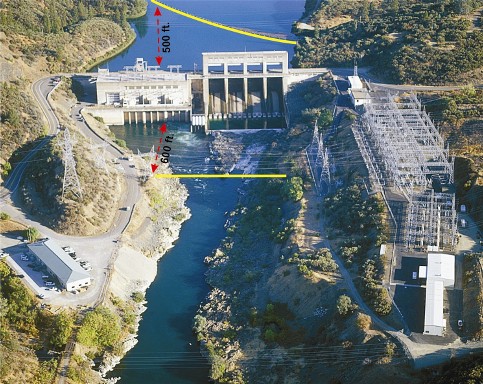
(234, 90)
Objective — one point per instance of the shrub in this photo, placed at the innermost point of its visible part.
(363, 321)
(100, 328)
(293, 188)
(382, 303)
(6, 168)
(269, 335)
(304, 270)
(46, 372)
(121, 143)
(32, 234)
(344, 305)
(199, 326)
(4, 216)
(138, 297)
(61, 330)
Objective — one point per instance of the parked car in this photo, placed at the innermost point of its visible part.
(41, 296)
(49, 283)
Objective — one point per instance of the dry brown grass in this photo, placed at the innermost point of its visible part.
(11, 226)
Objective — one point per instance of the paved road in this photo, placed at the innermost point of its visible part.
(41, 89)
(95, 249)
(422, 354)
(419, 88)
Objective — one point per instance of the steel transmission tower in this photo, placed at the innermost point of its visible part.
(100, 156)
(71, 180)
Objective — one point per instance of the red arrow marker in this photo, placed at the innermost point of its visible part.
(163, 128)
(159, 148)
(154, 167)
(157, 12)
(156, 156)
(160, 140)
(159, 59)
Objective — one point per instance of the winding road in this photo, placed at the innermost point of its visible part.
(99, 250)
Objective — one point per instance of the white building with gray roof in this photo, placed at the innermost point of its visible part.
(58, 262)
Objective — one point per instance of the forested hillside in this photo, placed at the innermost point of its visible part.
(38, 38)
(50, 36)
(405, 41)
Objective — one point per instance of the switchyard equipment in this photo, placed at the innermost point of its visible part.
(403, 149)
(431, 220)
(410, 147)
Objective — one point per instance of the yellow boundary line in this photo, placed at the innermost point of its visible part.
(221, 26)
(211, 176)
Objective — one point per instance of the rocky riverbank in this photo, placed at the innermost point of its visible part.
(155, 226)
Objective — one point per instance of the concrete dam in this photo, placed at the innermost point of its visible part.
(236, 90)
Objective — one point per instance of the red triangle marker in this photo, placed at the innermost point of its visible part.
(163, 128)
(154, 167)
(159, 59)
(157, 12)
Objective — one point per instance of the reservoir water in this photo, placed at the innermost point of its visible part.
(167, 351)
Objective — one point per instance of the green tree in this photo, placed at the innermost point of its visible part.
(123, 14)
(46, 372)
(117, 16)
(199, 326)
(138, 296)
(47, 23)
(293, 188)
(382, 302)
(82, 11)
(344, 305)
(6, 168)
(325, 118)
(102, 7)
(365, 10)
(32, 234)
(100, 328)
(61, 330)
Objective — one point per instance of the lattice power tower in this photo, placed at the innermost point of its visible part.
(71, 180)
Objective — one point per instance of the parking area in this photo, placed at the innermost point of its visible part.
(410, 301)
(35, 274)
(407, 270)
(22, 262)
